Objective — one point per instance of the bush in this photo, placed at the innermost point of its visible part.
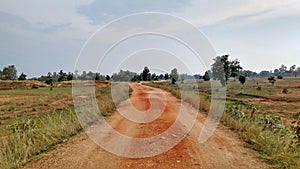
(35, 86)
(236, 113)
(284, 90)
(242, 79)
(258, 88)
(279, 77)
(272, 79)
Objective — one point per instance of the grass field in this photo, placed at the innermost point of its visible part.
(33, 121)
(265, 116)
(262, 114)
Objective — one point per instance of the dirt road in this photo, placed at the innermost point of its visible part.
(223, 150)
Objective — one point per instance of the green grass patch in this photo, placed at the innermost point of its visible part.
(30, 137)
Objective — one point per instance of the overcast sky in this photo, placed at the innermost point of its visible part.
(41, 36)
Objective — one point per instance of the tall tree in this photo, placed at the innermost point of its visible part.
(69, 76)
(62, 76)
(146, 74)
(9, 73)
(48, 79)
(166, 77)
(97, 76)
(293, 71)
(235, 68)
(282, 69)
(174, 75)
(221, 69)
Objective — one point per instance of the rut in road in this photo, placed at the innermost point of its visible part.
(222, 150)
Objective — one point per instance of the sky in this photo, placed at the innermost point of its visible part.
(46, 36)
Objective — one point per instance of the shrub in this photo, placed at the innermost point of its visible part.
(272, 79)
(235, 112)
(242, 79)
(258, 88)
(284, 90)
(34, 86)
(279, 77)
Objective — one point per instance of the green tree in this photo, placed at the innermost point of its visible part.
(48, 79)
(70, 76)
(83, 76)
(295, 73)
(174, 75)
(166, 77)
(9, 73)
(22, 76)
(97, 76)
(282, 69)
(272, 79)
(221, 69)
(161, 77)
(62, 76)
(276, 72)
(107, 77)
(154, 77)
(242, 79)
(293, 70)
(146, 74)
(207, 75)
(235, 68)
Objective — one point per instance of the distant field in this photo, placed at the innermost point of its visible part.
(270, 99)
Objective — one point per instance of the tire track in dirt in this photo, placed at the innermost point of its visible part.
(222, 150)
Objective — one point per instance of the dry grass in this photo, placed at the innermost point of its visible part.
(30, 137)
(36, 120)
(277, 144)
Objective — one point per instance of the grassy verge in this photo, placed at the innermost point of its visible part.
(276, 143)
(28, 136)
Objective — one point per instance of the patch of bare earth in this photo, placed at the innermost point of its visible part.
(222, 150)
(13, 97)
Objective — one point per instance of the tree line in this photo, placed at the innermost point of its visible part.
(222, 69)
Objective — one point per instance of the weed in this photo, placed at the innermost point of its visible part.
(284, 90)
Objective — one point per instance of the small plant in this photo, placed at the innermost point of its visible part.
(235, 112)
(279, 77)
(296, 115)
(284, 90)
(252, 109)
(34, 86)
(272, 80)
(258, 88)
(269, 121)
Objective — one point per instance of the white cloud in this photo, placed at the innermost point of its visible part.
(204, 13)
